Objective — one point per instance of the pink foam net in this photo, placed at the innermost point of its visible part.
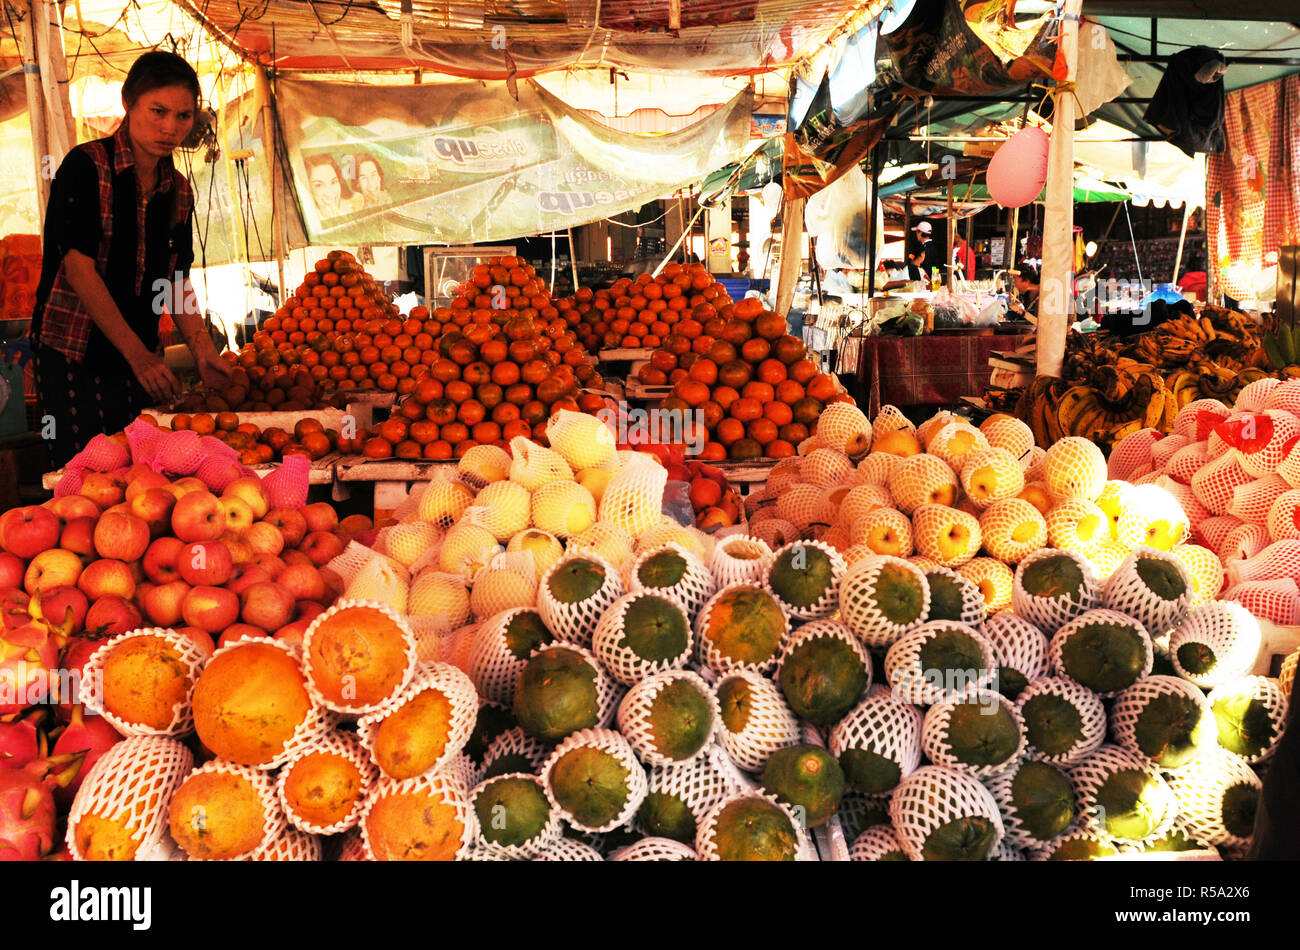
(1215, 481)
(1185, 463)
(1131, 456)
(1277, 600)
(1213, 531)
(287, 485)
(143, 439)
(1279, 559)
(69, 484)
(1254, 500)
(1243, 542)
(179, 453)
(101, 454)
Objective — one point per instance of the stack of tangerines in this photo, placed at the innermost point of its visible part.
(648, 311)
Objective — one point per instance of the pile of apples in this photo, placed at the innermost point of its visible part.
(716, 502)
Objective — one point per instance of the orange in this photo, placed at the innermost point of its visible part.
(704, 371)
(729, 430)
(763, 393)
(694, 392)
(778, 412)
(762, 431)
(822, 387)
(789, 392)
(724, 396)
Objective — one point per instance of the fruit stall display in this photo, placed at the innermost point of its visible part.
(946, 641)
(257, 445)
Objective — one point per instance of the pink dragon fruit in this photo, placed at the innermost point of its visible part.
(26, 813)
(19, 742)
(88, 737)
(28, 656)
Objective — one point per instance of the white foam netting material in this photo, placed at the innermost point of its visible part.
(633, 498)
(1128, 593)
(655, 849)
(1089, 777)
(998, 524)
(971, 610)
(1254, 500)
(1229, 632)
(493, 667)
(1204, 569)
(290, 845)
(635, 710)
(695, 586)
(445, 498)
(1289, 467)
(567, 849)
(913, 482)
(931, 523)
(875, 843)
(1018, 833)
(1279, 559)
(740, 559)
(769, 724)
(994, 579)
(620, 660)
(889, 419)
(343, 745)
(186, 652)
(1129, 706)
(824, 467)
(1064, 521)
(350, 561)
(771, 530)
(906, 674)
(860, 607)
(1212, 532)
(1186, 462)
(1242, 542)
(1010, 480)
(533, 465)
(444, 787)
(1049, 614)
(931, 797)
(705, 837)
(339, 704)
(525, 850)
(1099, 841)
(1089, 721)
(862, 529)
(263, 784)
(937, 742)
(133, 783)
(794, 557)
(1249, 695)
(1216, 480)
(615, 746)
(462, 699)
(1017, 645)
(699, 783)
(576, 622)
(709, 651)
(1200, 789)
(1283, 519)
(480, 461)
(883, 725)
(1277, 600)
(1086, 625)
(514, 742)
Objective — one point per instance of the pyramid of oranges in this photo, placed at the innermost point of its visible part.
(505, 359)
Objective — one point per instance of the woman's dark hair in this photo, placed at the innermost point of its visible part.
(345, 188)
(357, 161)
(1029, 272)
(156, 70)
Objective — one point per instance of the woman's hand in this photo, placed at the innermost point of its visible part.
(213, 370)
(158, 381)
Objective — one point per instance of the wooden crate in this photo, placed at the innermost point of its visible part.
(625, 355)
(392, 478)
(361, 407)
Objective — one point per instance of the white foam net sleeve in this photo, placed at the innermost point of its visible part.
(1212, 532)
(533, 465)
(633, 499)
(911, 682)
(1229, 636)
(273, 819)
(187, 653)
(514, 742)
(1090, 725)
(1289, 467)
(1090, 775)
(794, 555)
(1085, 624)
(1012, 528)
(290, 845)
(931, 797)
(482, 465)
(931, 523)
(803, 504)
(1253, 500)
(610, 542)
(874, 843)
(614, 745)
(655, 849)
(567, 849)
(1095, 841)
(897, 527)
(884, 726)
(739, 559)
(462, 699)
(861, 609)
(132, 783)
(1204, 570)
(619, 659)
(994, 579)
(1200, 789)
(1262, 694)
(1283, 519)
(1132, 454)
(914, 482)
(1017, 645)
(889, 419)
(706, 845)
(635, 709)
(576, 622)
(442, 787)
(695, 586)
(1254, 395)
(1279, 559)
(876, 468)
(971, 610)
(1216, 480)
(771, 530)
(1063, 523)
(1284, 396)
(529, 849)
(769, 724)
(1049, 614)
(1129, 706)
(935, 740)
(1277, 600)
(1128, 593)
(699, 783)
(825, 467)
(492, 666)
(343, 745)
(350, 561)
(711, 654)
(1186, 462)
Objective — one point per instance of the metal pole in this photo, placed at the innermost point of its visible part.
(872, 222)
(952, 273)
(1182, 237)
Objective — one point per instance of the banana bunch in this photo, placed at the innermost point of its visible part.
(1123, 403)
(1282, 347)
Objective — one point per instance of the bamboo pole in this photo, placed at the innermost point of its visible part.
(1182, 238)
(952, 271)
(47, 31)
(35, 110)
(271, 144)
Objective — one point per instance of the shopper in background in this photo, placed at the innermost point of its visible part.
(117, 254)
(1025, 300)
(920, 252)
(963, 257)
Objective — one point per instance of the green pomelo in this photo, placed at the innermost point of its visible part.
(512, 811)
(1196, 658)
(1053, 576)
(1245, 727)
(1104, 657)
(507, 764)
(802, 575)
(898, 594)
(979, 739)
(667, 816)
(869, 771)
(590, 784)
(525, 633)
(753, 829)
(962, 839)
(1082, 849)
(655, 629)
(822, 679)
(746, 625)
(575, 581)
(1161, 577)
(1011, 682)
(805, 777)
(1053, 724)
(663, 569)
(1043, 799)
(736, 700)
(556, 695)
(681, 720)
(1240, 802)
(1127, 799)
(946, 599)
(950, 650)
(1170, 729)
(493, 719)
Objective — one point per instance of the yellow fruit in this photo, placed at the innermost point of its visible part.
(466, 550)
(922, 480)
(444, 502)
(860, 500)
(1075, 468)
(994, 579)
(1008, 432)
(434, 594)
(801, 504)
(503, 508)
(483, 464)
(1203, 568)
(900, 442)
(945, 534)
(1077, 525)
(1012, 529)
(884, 531)
(382, 580)
(1107, 556)
(406, 543)
(955, 441)
(844, 428)
(583, 440)
(633, 499)
(1114, 499)
(545, 548)
(932, 425)
(825, 467)
(497, 589)
(595, 480)
(1036, 494)
(533, 466)
(563, 508)
(611, 542)
(673, 533)
(990, 475)
(1153, 517)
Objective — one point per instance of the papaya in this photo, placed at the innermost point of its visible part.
(736, 701)
(1170, 729)
(1196, 658)
(801, 575)
(807, 778)
(1244, 724)
(662, 569)
(961, 839)
(411, 739)
(1011, 682)
(979, 739)
(948, 597)
(667, 816)
(681, 720)
(751, 828)
(1052, 576)
(898, 594)
(493, 719)
(1127, 800)
(951, 650)
(745, 625)
(1053, 724)
(512, 811)
(1043, 799)
(590, 784)
(654, 628)
(1176, 840)
(822, 678)
(556, 694)
(1161, 577)
(1082, 848)
(1104, 656)
(1238, 806)
(576, 580)
(870, 771)
(525, 633)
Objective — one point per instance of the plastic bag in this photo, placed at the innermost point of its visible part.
(677, 503)
(952, 311)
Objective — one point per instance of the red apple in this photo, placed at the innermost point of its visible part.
(240, 551)
(237, 631)
(121, 537)
(79, 537)
(320, 516)
(160, 560)
(198, 516)
(201, 638)
(304, 581)
(266, 605)
(140, 478)
(110, 616)
(204, 563)
(264, 538)
(53, 568)
(272, 564)
(12, 569)
(74, 658)
(73, 506)
(13, 605)
(154, 506)
(308, 610)
(105, 490)
(249, 489)
(64, 609)
(293, 632)
(321, 547)
(291, 524)
(107, 576)
(210, 608)
(164, 602)
(26, 532)
(244, 576)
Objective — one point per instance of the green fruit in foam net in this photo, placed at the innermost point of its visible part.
(557, 694)
(1104, 656)
(753, 829)
(950, 651)
(1161, 577)
(524, 633)
(1053, 576)
(1238, 806)
(1176, 840)
(1171, 729)
(1244, 724)
(667, 816)
(508, 764)
(1196, 658)
(822, 679)
(1053, 724)
(1130, 801)
(898, 594)
(859, 812)
(662, 569)
(807, 778)
(654, 628)
(961, 839)
(1043, 799)
(977, 738)
(802, 575)
(947, 600)
(681, 719)
(590, 784)
(736, 700)
(576, 580)
(869, 771)
(745, 625)
(1082, 848)
(512, 811)
(492, 720)
(1011, 682)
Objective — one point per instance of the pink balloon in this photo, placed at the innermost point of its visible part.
(1018, 169)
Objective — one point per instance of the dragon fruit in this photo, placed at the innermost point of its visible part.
(28, 656)
(26, 813)
(19, 742)
(87, 737)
